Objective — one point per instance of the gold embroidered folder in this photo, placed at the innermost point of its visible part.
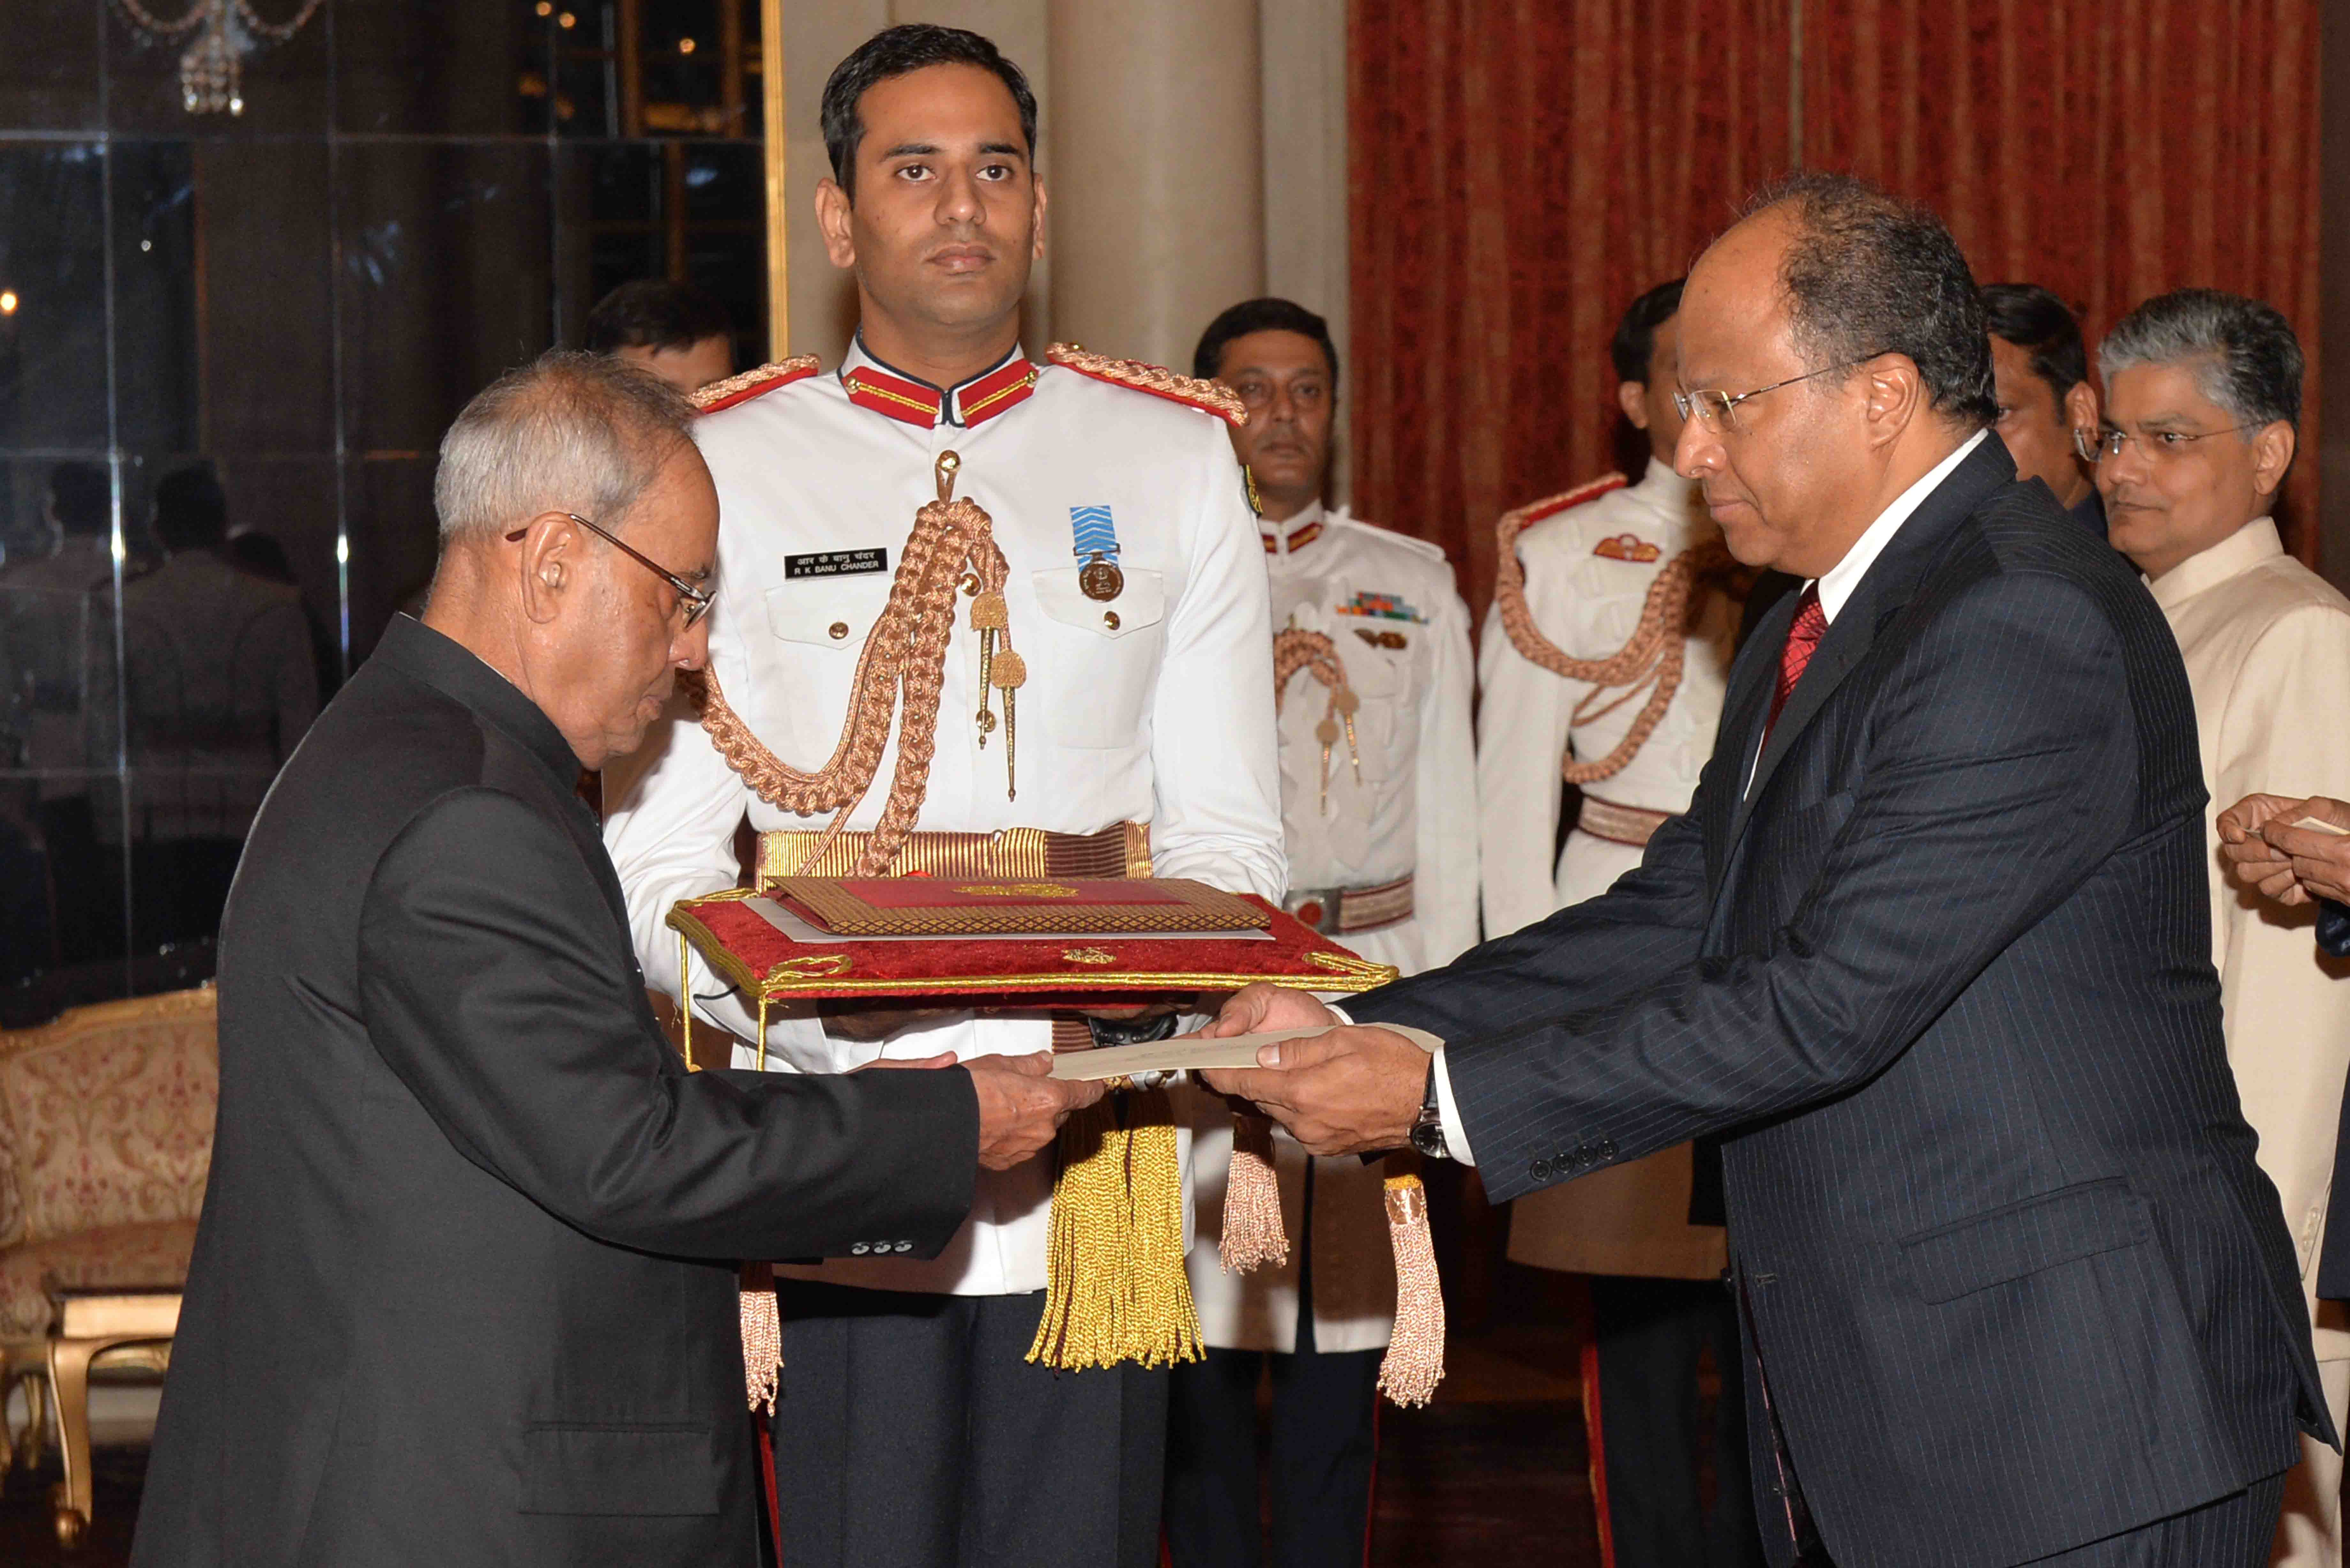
(953, 906)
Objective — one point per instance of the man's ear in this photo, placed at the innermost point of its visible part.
(2272, 449)
(2081, 411)
(1632, 397)
(1896, 394)
(832, 221)
(1036, 218)
(548, 567)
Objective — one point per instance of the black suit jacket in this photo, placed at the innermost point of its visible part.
(1945, 971)
(464, 1290)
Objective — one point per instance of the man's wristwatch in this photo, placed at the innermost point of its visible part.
(1427, 1131)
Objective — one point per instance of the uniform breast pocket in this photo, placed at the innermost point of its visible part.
(1100, 658)
(831, 613)
(1385, 679)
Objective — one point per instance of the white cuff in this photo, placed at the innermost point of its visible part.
(1456, 1137)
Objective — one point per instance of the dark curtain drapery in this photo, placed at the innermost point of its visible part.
(1519, 170)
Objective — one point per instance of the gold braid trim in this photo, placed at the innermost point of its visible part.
(906, 650)
(1209, 397)
(781, 373)
(1652, 657)
(1295, 648)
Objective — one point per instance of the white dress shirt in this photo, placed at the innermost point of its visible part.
(1164, 717)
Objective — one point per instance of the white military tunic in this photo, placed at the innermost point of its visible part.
(1413, 813)
(1589, 571)
(2266, 643)
(1164, 718)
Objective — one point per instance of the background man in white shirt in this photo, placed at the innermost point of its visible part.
(1378, 806)
(2203, 399)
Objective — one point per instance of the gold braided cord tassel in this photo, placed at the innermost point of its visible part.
(1116, 1289)
(904, 657)
(1414, 1363)
(762, 1338)
(1253, 1231)
(1652, 657)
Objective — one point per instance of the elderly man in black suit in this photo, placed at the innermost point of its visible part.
(1929, 944)
(464, 1288)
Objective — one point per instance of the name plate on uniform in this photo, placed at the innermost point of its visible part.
(837, 563)
(947, 906)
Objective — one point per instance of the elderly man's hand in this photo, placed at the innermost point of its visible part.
(1022, 1105)
(1354, 1090)
(2251, 859)
(2319, 860)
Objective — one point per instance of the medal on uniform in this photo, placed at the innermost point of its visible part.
(1093, 536)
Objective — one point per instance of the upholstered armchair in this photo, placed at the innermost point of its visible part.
(106, 1136)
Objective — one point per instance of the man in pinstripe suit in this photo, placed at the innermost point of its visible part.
(1930, 945)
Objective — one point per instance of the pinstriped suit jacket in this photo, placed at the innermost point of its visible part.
(1943, 975)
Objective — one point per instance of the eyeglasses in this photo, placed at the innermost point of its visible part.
(2157, 445)
(1717, 410)
(697, 601)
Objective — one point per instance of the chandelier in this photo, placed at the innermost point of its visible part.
(211, 69)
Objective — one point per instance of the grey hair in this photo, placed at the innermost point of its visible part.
(2244, 353)
(567, 433)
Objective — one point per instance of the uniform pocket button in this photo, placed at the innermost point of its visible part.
(837, 630)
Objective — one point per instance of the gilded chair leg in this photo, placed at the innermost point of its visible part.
(36, 1418)
(9, 1378)
(69, 1362)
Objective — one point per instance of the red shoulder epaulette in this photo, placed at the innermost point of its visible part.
(1208, 396)
(750, 384)
(1549, 506)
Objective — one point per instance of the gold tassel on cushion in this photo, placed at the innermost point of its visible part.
(1254, 1234)
(1415, 1359)
(1114, 1286)
(763, 1337)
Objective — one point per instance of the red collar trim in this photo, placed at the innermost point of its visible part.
(1297, 541)
(1005, 386)
(909, 402)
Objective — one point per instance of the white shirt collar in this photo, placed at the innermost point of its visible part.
(1837, 584)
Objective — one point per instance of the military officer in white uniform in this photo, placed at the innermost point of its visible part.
(1608, 658)
(912, 1430)
(1377, 790)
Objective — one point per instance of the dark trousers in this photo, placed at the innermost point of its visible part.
(2233, 1532)
(1325, 1445)
(1319, 1463)
(1650, 1334)
(912, 1432)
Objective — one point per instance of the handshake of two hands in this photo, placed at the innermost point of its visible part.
(1354, 1090)
(2266, 845)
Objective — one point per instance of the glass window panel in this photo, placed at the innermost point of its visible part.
(48, 72)
(474, 70)
(53, 266)
(394, 540)
(266, 281)
(447, 280)
(155, 284)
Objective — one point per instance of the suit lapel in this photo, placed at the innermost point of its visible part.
(1751, 678)
(1884, 588)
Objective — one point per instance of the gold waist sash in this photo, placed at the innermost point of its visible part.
(1122, 850)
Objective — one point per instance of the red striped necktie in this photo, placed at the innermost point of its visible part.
(1810, 623)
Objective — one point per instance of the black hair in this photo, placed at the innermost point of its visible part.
(81, 498)
(654, 313)
(2244, 352)
(191, 509)
(2044, 327)
(1869, 274)
(1267, 314)
(894, 52)
(1634, 348)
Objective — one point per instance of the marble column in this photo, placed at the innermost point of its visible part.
(1155, 169)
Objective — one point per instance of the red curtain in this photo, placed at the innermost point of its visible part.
(1521, 170)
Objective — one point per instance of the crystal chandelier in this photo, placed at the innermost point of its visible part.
(211, 69)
